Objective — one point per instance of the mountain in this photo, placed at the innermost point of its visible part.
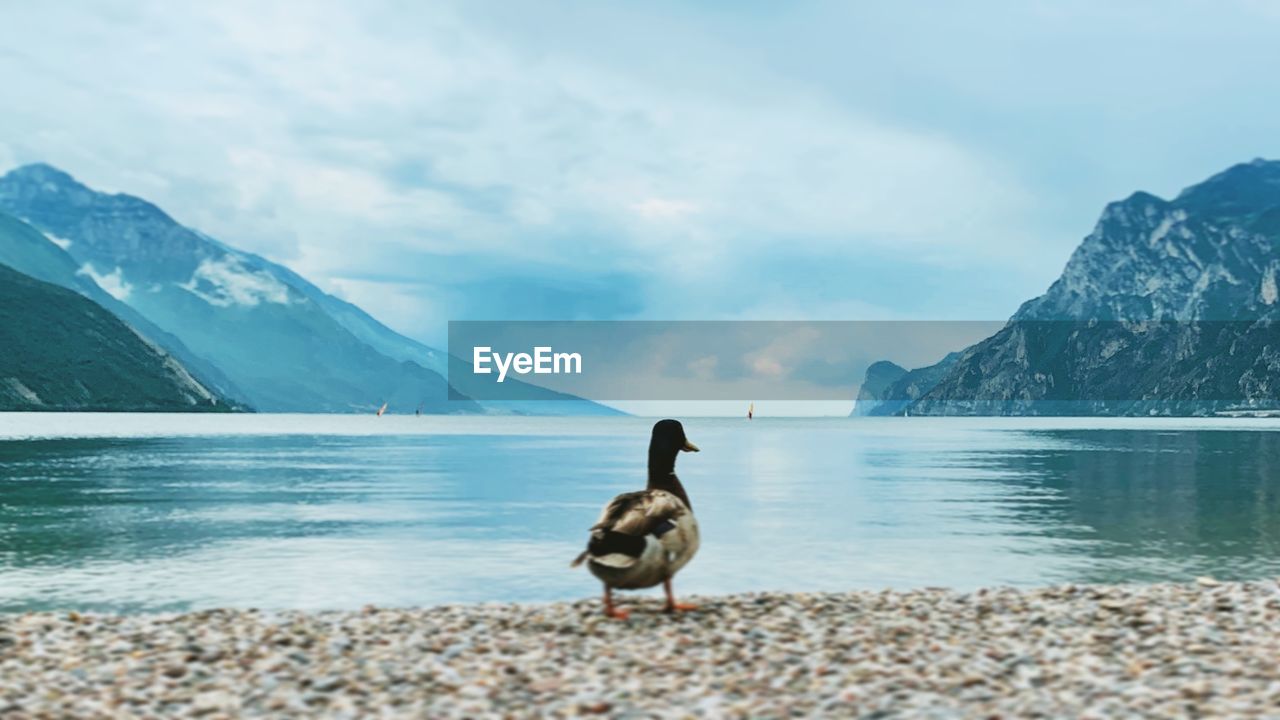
(539, 400)
(1169, 307)
(880, 376)
(251, 328)
(62, 351)
(888, 389)
(1209, 254)
(282, 342)
(27, 250)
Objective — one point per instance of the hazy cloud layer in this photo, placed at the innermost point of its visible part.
(596, 160)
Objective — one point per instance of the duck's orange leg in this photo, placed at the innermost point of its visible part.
(616, 613)
(672, 605)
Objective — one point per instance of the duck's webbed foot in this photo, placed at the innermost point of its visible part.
(611, 610)
(673, 606)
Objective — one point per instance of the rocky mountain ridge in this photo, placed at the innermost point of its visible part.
(1168, 307)
(64, 352)
(250, 327)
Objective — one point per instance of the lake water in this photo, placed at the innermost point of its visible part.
(163, 512)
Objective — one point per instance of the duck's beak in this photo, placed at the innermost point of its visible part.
(690, 447)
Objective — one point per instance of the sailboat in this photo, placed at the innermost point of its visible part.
(382, 409)
(751, 410)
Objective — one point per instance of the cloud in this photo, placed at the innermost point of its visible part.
(331, 136)
(113, 282)
(390, 149)
(7, 161)
(656, 208)
(225, 281)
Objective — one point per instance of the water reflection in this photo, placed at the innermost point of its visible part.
(1157, 505)
(330, 520)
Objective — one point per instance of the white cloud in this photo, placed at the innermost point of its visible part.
(7, 161)
(398, 305)
(343, 137)
(703, 368)
(225, 282)
(293, 117)
(113, 282)
(656, 208)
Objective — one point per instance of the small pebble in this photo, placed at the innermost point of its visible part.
(1202, 649)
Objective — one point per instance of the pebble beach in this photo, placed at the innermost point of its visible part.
(1171, 650)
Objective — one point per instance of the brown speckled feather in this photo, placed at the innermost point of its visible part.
(637, 513)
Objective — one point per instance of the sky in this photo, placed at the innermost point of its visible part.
(595, 160)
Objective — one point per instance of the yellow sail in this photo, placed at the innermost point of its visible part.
(751, 410)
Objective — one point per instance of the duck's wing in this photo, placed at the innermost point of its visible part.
(637, 513)
(627, 519)
(618, 508)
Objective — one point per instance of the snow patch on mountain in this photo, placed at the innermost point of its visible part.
(1164, 227)
(63, 243)
(1269, 294)
(113, 282)
(225, 281)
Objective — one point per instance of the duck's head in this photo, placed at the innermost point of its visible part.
(668, 440)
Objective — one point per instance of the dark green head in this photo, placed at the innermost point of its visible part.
(668, 440)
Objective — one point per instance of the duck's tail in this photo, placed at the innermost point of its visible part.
(579, 560)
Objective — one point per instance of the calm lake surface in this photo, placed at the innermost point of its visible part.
(165, 512)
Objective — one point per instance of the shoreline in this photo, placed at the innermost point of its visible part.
(1204, 648)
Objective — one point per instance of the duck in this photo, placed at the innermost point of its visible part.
(644, 538)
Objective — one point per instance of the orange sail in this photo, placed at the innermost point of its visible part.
(382, 409)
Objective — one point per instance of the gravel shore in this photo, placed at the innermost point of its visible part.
(1200, 649)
